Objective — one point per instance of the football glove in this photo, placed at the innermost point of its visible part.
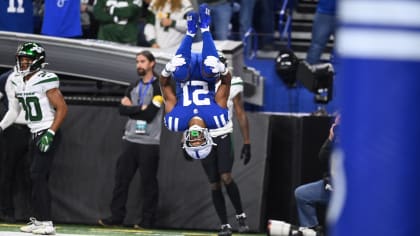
(246, 153)
(45, 142)
(216, 65)
(171, 66)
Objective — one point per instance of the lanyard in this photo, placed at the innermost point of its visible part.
(142, 94)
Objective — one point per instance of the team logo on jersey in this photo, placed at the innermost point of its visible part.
(60, 3)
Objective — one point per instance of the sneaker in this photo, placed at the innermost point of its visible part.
(308, 231)
(205, 18)
(47, 228)
(225, 230)
(243, 227)
(192, 23)
(32, 225)
(109, 222)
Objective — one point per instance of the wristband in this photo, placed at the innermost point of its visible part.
(51, 131)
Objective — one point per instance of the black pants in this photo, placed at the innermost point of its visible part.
(15, 166)
(40, 173)
(146, 158)
(220, 159)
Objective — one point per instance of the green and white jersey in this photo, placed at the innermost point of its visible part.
(236, 87)
(32, 97)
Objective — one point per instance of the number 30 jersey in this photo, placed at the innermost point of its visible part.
(32, 98)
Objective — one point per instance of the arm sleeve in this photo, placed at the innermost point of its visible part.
(148, 114)
(14, 108)
(100, 12)
(130, 11)
(325, 151)
(136, 113)
(150, 33)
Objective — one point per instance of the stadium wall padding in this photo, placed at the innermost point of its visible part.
(82, 177)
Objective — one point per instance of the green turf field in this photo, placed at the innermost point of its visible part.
(78, 230)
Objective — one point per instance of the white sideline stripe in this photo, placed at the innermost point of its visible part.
(397, 12)
(384, 44)
(7, 233)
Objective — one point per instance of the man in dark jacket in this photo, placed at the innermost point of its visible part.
(142, 104)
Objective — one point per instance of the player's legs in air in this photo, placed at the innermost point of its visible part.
(182, 73)
(209, 48)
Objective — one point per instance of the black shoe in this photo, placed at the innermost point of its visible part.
(110, 222)
(243, 227)
(226, 230)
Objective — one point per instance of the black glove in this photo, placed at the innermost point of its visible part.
(246, 153)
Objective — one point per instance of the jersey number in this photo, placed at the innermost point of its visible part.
(202, 89)
(13, 9)
(32, 108)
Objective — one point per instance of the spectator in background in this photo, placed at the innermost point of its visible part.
(322, 29)
(38, 12)
(246, 16)
(145, 17)
(17, 16)
(118, 20)
(62, 19)
(88, 21)
(221, 14)
(142, 105)
(14, 159)
(265, 25)
(309, 195)
(170, 22)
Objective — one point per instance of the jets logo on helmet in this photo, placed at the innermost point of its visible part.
(35, 52)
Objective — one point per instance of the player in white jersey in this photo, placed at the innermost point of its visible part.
(37, 92)
(218, 165)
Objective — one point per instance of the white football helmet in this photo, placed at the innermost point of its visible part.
(197, 142)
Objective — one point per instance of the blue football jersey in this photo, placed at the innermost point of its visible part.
(62, 18)
(16, 16)
(196, 99)
(376, 170)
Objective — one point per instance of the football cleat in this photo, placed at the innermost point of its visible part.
(46, 229)
(38, 227)
(243, 227)
(225, 230)
(33, 224)
(192, 23)
(205, 17)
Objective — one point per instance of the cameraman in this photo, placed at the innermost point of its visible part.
(309, 195)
